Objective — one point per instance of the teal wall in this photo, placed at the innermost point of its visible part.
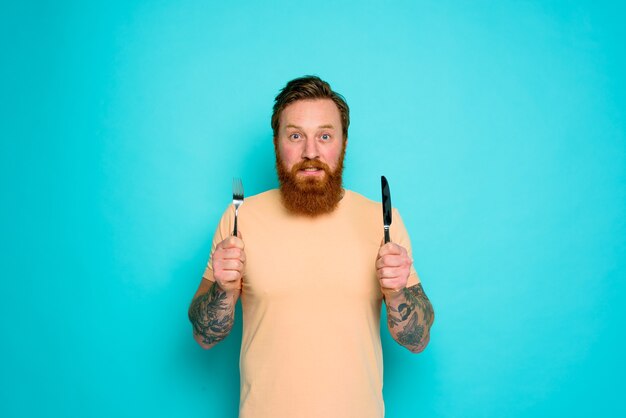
(500, 126)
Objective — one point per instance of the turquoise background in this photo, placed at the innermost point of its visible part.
(500, 126)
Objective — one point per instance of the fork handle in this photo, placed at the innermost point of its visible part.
(386, 232)
(235, 229)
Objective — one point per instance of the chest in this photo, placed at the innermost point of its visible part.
(329, 258)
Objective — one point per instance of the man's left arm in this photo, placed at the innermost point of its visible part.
(409, 312)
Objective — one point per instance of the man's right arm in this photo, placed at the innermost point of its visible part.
(212, 314)
(212, 311)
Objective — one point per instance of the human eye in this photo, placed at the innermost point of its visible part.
(325, 137)
(295, 136)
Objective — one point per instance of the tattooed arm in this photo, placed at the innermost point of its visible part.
(409, 317)
(409, 312)
(212, 314)
(212, 311)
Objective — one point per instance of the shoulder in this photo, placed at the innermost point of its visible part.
(360, 206)
(266, 197)
(268, 200)
(360, 201)
(254, 207)
(257, 201)
(357, 201)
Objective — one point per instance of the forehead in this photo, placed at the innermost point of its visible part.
(311, 113)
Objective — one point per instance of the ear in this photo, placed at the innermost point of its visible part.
(276, 149)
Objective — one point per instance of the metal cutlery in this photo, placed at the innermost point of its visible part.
(386, 206)
(237, 199)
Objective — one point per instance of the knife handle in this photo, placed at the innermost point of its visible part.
(387, 239)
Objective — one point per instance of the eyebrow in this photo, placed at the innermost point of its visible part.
(327, 126)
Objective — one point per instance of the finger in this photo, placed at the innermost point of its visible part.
(390, 248)
(390, 261)
(229, 276)
(230, 286)
(231, 254)
(391, 284)
(231, 242)
(388, 273)
(228, 264)
(232, 265)
(235, 254)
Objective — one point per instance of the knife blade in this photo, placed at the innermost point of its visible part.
(386, 206)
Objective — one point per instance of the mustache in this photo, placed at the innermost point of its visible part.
(310, 164)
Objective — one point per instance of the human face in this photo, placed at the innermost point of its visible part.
(310, 130)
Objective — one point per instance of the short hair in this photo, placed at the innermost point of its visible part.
(307, 88)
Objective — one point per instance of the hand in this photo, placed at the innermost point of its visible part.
(229, 261)
(393, 267)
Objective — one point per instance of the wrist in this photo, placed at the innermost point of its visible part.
(228, 292)
(233, 294)
(392, 295)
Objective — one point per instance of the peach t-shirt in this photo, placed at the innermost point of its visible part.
(311, 308)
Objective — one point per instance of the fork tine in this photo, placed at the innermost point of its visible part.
(237, 188)
(237, 199)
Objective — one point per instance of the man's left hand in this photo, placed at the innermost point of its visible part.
(393, 267)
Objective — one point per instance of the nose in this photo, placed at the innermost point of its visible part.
(310, 150)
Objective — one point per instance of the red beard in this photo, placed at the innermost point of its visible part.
(310, 196)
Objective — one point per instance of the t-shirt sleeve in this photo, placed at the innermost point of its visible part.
(223, 230)
(400, 236)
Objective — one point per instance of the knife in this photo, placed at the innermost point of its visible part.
(386, 206)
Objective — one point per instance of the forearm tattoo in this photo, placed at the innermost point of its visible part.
(409, 320)
(212, 315)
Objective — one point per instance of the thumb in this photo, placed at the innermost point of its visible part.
(382, 241)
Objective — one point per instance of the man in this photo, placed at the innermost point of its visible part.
(311, 270)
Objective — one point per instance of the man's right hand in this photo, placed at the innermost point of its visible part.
(229, 260)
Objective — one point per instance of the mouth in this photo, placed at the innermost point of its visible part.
(311, 171)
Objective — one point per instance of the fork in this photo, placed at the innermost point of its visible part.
(237, 199)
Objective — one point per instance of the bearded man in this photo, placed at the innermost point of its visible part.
(311, 269)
